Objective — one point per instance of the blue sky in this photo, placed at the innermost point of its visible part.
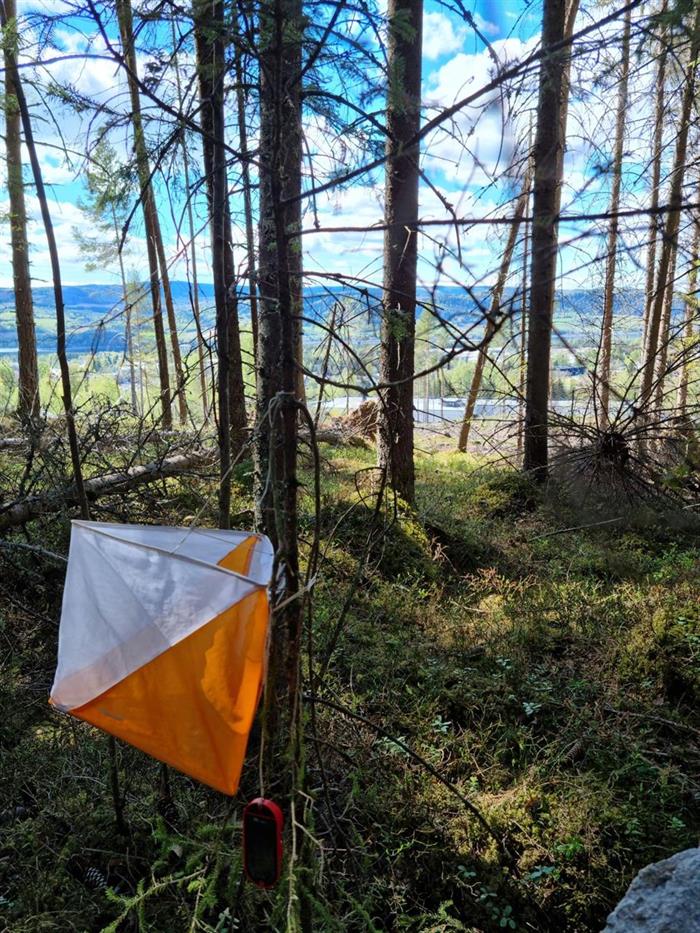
(466, 163)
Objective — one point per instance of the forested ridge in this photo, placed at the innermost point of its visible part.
(383, 318)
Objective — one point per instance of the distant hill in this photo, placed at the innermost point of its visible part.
(88, 305)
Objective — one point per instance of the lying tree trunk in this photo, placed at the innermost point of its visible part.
(17, 513)
(611, 265)
(494, 312)
(13, 443)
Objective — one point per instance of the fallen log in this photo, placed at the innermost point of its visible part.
(12, 443)
(17, 513)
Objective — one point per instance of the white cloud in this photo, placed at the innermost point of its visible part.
(441, 36)
(486, 26)
(479, 142)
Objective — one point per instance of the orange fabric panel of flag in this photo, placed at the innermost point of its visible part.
(193, 705)
(239, 558)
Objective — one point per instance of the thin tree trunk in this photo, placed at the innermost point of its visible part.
(548, 169)
(80, 491)
(522, 381)
(296, 269)
(196, 312)
(247, 200)
(654, 217)
(127, 320)
(609, 293)
(157, 235)
(494, 312)
(664, 335)
(172, 320)
(670, 229)
(150, 216)
(209, 38)
(280, 152)
(28, 402)
(192, 248)
(691, 306)
(572, 7)
(11, 65)
(245, 177)
(395, 434)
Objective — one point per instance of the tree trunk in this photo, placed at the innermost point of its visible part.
(664, 337)
(11, 65)
(691, 306)
(153, 230)
(111, 484)
(172, 320)
(209, 37)
(494, 312)
(28, 402)
(395, 434)
(522, 349)
(245, 177)
(191, 249)
(150, 216)
(276, 437)
(609, 293)
(128, 329)
(548, 169)
(654, 217)
(670, 228)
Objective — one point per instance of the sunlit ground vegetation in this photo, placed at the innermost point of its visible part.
(550, 677)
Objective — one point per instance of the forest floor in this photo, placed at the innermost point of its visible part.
(551, 678)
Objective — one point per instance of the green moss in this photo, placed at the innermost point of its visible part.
(550, 676)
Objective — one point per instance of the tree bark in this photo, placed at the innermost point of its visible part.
(210, 43)
(654, 217)
(280, 150)
(664, 336)
(613, 229)
(172, 320)
(522, 349)
(128, 329)
(548, 169)
(395, 434)
(670, 228)
(191, 249)
(11, 65)
(494, 312)
(29, 402)
(150, 216)
(245, 177)
(18, 513)
(691, 310)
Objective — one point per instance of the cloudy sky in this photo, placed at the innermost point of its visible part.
(470, 163)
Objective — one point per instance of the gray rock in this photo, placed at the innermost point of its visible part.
(663, 898)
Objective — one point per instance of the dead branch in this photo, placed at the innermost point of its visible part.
(17, 513)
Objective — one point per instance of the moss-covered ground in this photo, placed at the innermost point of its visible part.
(551, 678)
